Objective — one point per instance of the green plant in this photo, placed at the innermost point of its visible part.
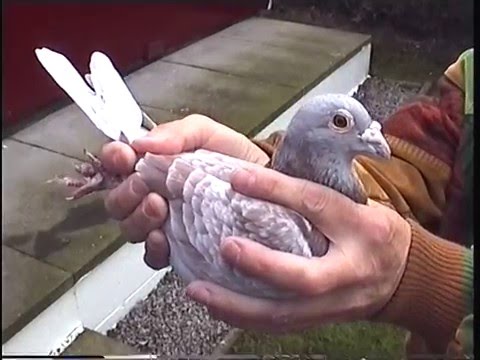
(342, 341)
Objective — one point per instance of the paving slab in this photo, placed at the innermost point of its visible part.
(37, 220)
(92, 343)
(161, 116)
(28, 287)
(241, 103)
(296, 57)
(254, 60)
(294, 36)
(69, 131)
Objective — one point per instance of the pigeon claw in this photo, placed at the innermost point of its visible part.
(87, 170)
(66, 181)
(92, 184)
(94, 161)
(95, 178)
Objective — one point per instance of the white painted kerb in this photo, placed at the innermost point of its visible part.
(108, 292)
(97, 301)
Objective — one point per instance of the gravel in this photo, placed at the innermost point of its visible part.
(168, 323)
(381, 97)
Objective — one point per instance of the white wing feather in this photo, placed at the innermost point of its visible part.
(110, 105)
(119, 102)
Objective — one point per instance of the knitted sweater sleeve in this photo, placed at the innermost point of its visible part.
(424, 183)
(435, 296)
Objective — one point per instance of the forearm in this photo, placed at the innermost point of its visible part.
(436, 291)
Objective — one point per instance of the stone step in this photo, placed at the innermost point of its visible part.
(66, 261)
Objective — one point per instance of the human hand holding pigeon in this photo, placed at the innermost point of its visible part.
(367, 257)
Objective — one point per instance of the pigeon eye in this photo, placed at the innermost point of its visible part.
(340, 121)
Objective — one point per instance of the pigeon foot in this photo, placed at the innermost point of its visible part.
(94, 178)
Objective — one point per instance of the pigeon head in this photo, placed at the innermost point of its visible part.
(339, 124)
(323, 138)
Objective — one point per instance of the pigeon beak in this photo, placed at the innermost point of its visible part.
(373, 137)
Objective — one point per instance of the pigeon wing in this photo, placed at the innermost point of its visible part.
(204, 209)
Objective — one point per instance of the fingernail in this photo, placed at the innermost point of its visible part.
(117, 160)
(199, 293)
(230, 248)
(137, 186)
(152, 139)
(152, 262)
(143, 141)
(150, 210)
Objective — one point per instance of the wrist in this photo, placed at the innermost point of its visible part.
(430, 299)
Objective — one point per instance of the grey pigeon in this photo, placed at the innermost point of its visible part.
(321, 141)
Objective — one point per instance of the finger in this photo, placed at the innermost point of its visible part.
(324, 207)
(122, 200)
(237, 309)
(239, 322)
(118, 158)
(275, 315)
(150, 215)
(157, 251)
(197, 131)
(288, 272)
(174, 137)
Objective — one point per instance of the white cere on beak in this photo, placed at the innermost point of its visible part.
(374, 137)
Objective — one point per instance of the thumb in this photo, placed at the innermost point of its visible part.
(332, 213)
(187, 134)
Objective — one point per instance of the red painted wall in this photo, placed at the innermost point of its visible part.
(131, 34)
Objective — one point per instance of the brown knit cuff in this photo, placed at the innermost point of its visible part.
(270, 144)
(429, 300)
